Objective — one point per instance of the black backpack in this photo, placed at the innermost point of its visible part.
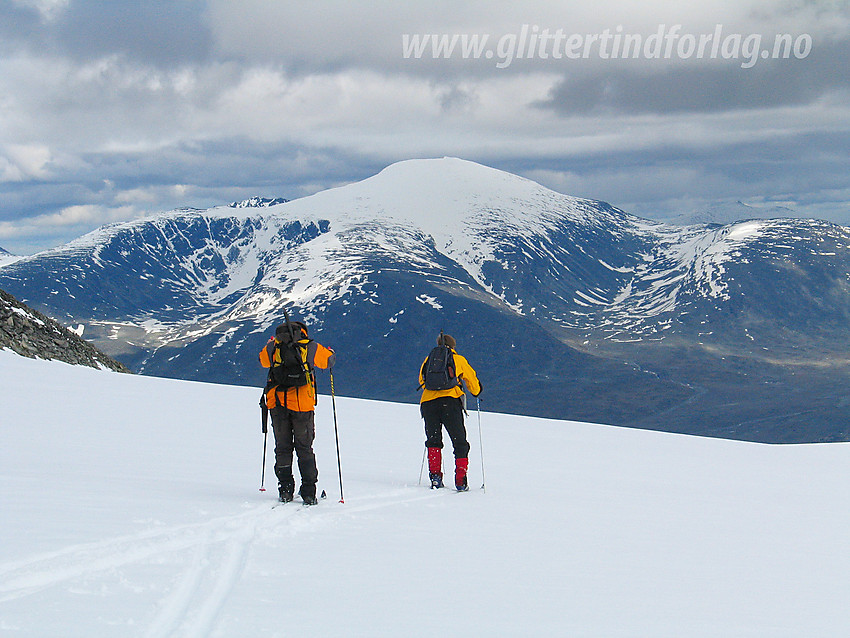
(439, 369)
(292, 370)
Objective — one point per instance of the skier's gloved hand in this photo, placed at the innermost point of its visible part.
(480, 389)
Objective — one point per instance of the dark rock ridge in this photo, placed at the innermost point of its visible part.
(259, 202)
(32, 334)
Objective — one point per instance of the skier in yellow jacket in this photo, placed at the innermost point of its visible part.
(291, 399)
(444, 407)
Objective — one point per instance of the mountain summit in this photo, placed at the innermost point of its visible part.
(569, 308)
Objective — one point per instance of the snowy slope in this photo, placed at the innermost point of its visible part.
(120, 521)
(6, 257)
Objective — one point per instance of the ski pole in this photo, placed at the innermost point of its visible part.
(336, 435)
(422, 467)
(481, 445)
(265, 420)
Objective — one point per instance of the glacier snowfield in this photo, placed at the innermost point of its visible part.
(130, 507)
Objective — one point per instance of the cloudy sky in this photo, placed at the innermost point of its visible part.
(112, 110)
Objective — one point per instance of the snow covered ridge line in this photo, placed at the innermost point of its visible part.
(533, 43)
(7, 258)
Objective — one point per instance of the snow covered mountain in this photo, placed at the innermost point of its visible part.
(569, 308)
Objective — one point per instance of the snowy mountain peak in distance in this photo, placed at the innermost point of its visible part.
(445, 195)
(473, 213)
(259, 202)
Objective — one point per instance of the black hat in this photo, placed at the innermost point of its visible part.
(446, 340)
(298, 327)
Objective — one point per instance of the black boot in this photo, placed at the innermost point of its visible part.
(285, 488)
(308, 495)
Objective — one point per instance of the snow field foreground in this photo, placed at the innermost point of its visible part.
(130, 507)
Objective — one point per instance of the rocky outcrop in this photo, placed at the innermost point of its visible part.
(32, 334)
(259, 202)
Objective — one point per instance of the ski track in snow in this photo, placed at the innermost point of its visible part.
(109, 531)
(211, 557)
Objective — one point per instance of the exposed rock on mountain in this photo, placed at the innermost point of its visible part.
(31, 334)
(259, 202)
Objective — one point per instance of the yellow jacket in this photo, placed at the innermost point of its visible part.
(464, 372)
(301, 399)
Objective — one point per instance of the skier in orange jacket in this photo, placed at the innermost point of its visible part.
(291, 403)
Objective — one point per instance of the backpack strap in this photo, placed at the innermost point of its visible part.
(422, 373)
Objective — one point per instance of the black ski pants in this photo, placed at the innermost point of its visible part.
(445, 412)
(294, 431)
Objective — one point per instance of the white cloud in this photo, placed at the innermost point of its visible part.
(290, 97)
(19, 162)
(76, 220)
(88, 214)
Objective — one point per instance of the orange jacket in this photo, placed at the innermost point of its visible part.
(301, 399)
(463, 370)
